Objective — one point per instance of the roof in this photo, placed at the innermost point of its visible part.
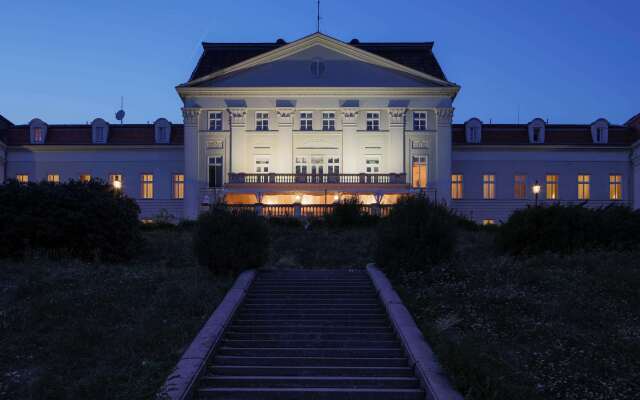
(415, 55)
(555, 134)
(73, 135)
(4, 122)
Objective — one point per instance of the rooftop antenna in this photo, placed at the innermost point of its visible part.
(120, 113)
(318, 20)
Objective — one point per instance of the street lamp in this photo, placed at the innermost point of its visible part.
(117, 185)
(536, 191)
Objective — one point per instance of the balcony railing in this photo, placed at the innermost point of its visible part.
(375, 179)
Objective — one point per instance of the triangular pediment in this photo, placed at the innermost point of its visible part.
(318, 61)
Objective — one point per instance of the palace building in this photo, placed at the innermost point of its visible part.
(318, 119)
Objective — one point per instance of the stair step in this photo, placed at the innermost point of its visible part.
(353, 344)
(315, 315)
(266, 328)
(309, 306)
(337, 362)
(309, 381)
(324, 322)
(308, 336)
(311, 352)
(310, 394)
(256, 370)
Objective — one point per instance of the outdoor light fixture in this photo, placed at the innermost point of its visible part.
(298, 198)
(336, 198)
(117, 185)
(536, 191)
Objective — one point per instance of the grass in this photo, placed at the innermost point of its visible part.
(72, 330)
(544, 327)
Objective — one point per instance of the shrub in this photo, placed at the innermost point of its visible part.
(568, 228)
(85, 220)
(416, 233)
(349, 212)
(228, 242)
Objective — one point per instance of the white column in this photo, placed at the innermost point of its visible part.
(191, 163)
(443, 153)
(396, 140)
(635, 176)
(350, 152)
(284, 143)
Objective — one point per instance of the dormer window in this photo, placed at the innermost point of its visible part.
(38, 135)
(162, 129)
(473, 130)
(99, 131)
(37, 131)
(536, 131)
(600, 131)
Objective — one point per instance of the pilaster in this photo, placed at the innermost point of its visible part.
(396, 140)
(350, 151)
(191, 162)
(238, 119)
(443, 148)
(284, 162)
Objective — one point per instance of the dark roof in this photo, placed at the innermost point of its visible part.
(5, 122)
(555, 134)
(126, 134)
(217, 56)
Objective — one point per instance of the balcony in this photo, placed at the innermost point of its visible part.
(317, 179)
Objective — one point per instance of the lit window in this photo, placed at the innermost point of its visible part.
(333, 164)
(22, 178)
(115, 180)
(584, 187)
(38, 135)
(53, 178)
(306, 121)
(372, 165)
(520, 187)
(419, 172)
(489, 186)
(456, 186)
(328, 121)
(147, 186)
(615, 187)
(373, 121)
(301, 165)
(488, 222)
(85, 178)
(262, 121)
(215, 121)
(215, 172)
(262, 165)
(178, 186)
(419, 121)
(552, 187)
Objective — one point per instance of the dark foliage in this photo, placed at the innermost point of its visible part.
(227, 242)
(417, 233)
(568, 228)
(349, 212)
(85, 220)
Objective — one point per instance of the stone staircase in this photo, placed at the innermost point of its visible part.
(320, 334)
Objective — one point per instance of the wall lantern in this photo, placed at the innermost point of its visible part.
(536, 191)
(117, 185)
(336, 198)
(298, 199)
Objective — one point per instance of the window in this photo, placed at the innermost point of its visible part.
(488, 222)
(53, 178)
(38, 135)
(262, 121)
(328, 121)
(615, 187)
(474, 135)
(537, 134)
(599, 134)
(100, 134)
(301, 165)
(489, 186)
(147, 186)
(373, 121)
(178, 186)
(456, 186)
(22, 178)
(306, 121)
(372, 165)
(419, 121)
(85, 178)
(520, 187)
(163, 137)
(584, 188)
(317, 165)
(215, 172)
(419, 172)
(333, 165)
(262, 165)
(552, 187)
(116, 181)
(215, 121)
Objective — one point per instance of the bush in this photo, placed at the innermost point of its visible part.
(348, 212)
(85, 220)
(416, 233)
(228, 242)
(568, 228)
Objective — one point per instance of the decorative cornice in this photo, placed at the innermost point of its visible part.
(238, 116)
(349, 115)
(285, 115)
(445, 115)
(190, 115)
(315, 91)
(396, 116)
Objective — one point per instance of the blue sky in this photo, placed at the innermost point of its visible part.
(565, 60)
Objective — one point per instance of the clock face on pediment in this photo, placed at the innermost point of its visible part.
(318, 66)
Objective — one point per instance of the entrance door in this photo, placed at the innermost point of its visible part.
(419, 172)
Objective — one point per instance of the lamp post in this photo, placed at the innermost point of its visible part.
(536, 191)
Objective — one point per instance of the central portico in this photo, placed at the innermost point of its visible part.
(314, 120)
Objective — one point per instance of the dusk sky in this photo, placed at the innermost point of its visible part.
(568, 61)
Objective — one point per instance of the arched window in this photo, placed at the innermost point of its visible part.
(37, 131)
(600, 131)
(162, 129)
(536, 131)
(99, 131)
(473, 130)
